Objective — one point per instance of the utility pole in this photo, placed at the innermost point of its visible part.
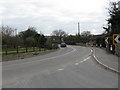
(78, 28)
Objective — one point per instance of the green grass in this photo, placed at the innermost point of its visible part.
(21, 56)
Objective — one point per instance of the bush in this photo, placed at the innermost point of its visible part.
(55, 46)
(51, 46)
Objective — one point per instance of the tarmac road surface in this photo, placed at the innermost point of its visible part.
(70, 67)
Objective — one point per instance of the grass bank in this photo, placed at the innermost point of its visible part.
(10, 57)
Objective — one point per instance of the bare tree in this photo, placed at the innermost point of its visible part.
(86, 33)
(8, 31)
(59, 35)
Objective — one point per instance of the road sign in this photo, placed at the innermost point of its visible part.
(116, 39)
(107, 40)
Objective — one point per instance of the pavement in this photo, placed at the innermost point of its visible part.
(106, 59)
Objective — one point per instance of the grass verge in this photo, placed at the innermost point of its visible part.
(10, 57)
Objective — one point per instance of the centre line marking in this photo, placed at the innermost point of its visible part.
(60, 69)
(76, 63)
(85, 59)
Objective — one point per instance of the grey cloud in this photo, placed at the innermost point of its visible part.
(46, 17)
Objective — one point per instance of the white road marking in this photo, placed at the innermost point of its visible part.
(83, 60)
(60, 69)
(104, 64)
(76, 63)
(91, 50)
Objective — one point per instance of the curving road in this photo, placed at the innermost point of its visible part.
(71, 67)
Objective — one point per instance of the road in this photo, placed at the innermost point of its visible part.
(71, 67)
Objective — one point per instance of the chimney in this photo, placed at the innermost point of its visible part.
(78, 28)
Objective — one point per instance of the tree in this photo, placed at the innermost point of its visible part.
(71, 40)
(40, 40)
(85, 36)
(9, 39)
(114, 20)
(7, 31)
(113, 23)
(59, 34)
(30, 41)
(29, 33)
(86, 33)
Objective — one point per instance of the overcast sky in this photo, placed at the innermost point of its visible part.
(49, 15)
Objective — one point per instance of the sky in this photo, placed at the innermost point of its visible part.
(50, 15)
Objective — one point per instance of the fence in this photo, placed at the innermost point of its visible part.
(6, 51)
